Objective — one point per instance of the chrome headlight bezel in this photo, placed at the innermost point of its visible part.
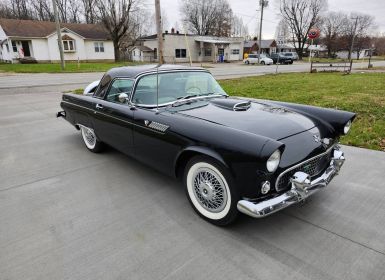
(347, 127)
(273, 162)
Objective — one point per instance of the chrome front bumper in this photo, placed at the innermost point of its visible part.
(301, 188)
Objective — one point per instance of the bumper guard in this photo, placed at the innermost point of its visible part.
(301, 188)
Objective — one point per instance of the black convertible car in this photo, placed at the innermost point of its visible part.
(233, 154)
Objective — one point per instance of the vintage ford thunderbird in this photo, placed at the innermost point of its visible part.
(233, 155)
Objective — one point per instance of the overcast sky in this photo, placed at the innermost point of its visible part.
(247, 10)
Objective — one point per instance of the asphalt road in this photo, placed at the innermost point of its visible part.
(66, 213)
(52, 82)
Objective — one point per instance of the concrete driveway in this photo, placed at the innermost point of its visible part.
(66, 213)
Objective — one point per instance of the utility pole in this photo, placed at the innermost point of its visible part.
(262, 4)
(158, 20)
(354, 35)
(59, 41)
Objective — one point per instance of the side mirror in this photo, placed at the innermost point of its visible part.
(123, 97)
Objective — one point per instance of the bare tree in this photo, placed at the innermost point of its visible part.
(90, 11)
(207, 17)
(238, 28)
(21, 10)
(333, 25)
(5, 10)
(282, 33)
(301, 16)
(118, 18)
(365, 24)
(74, 11)
(42, 9)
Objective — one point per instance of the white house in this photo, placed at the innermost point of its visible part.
(178, 47)
(142, 53)
(38, 40)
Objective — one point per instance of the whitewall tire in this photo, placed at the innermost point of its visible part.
(90, 139)
(209, 190)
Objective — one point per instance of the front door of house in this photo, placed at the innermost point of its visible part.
(26, 49)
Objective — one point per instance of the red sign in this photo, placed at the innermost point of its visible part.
(313, 33)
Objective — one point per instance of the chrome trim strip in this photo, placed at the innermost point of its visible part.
(118, 119)
(304, 162)
(301, 188)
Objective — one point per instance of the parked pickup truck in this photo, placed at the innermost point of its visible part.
(281, 59)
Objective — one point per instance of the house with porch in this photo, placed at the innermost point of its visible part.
(37, 40)
(268, 46)
(179, 47)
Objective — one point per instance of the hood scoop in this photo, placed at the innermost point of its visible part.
(232, 104)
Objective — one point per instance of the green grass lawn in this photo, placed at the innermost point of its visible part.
(363, 94)
(55, 67)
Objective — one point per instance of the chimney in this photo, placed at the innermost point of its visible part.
(172, 30)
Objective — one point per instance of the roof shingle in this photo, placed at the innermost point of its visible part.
(38, 29)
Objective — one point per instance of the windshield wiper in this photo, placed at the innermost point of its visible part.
(188, 96)
(180, 100)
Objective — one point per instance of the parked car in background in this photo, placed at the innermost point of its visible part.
(292, 55)
(281, 59)
(253, 59)
(232, 154)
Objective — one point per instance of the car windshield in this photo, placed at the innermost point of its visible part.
(174, 86)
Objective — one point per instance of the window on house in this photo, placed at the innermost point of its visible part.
(7, 47)
(155, 53)
(235, 51)
(68, 45)
(180, 53)
(99, 46)
(208, 52)
(14, 47)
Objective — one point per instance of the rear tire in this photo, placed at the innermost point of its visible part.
(247, 62)
(90, 140)
(211, 191)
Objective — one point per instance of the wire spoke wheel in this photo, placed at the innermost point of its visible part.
(89, 137)
(209, 190)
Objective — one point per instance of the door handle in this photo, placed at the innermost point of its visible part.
(98, 106)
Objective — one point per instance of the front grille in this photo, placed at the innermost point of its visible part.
(313, 167)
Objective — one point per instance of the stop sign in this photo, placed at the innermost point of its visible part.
(313, 33)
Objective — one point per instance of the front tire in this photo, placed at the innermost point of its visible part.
(262, 62)
(210, 190)
(90, 140)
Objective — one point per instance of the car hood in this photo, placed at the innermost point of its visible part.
(250, 116)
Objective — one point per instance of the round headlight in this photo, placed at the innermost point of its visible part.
(273, 161)
(347, 127)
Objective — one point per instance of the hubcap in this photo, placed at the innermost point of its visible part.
(89, 136)
(209, 190)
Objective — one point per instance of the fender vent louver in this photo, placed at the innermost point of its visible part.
(242, 106)
(158, 126)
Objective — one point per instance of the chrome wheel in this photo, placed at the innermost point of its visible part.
(89, 137)
(209, 190)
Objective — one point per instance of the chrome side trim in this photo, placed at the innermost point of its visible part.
(112, 117)
(336, 146)
(301, 188)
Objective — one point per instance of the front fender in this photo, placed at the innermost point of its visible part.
(185, 154)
